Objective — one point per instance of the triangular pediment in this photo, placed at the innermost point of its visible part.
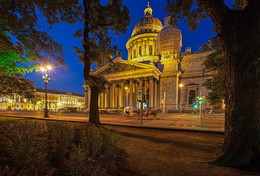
(120, 65)
(192, 84)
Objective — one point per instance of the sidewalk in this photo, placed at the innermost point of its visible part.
(181, 122)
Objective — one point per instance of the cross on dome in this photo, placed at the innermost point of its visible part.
(148, 10)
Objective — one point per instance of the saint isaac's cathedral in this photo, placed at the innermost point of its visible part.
(155, 70)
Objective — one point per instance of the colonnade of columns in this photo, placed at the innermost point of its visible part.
(122, 93)
(146, 45)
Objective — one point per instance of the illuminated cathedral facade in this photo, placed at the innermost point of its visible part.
(155, 73)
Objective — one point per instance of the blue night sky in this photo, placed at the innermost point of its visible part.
(71, 79)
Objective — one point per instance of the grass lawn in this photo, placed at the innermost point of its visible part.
(172, 153)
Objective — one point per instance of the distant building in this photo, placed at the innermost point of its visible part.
(156, 69)
(57, 101)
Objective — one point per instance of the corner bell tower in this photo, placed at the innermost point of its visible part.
(169, 42)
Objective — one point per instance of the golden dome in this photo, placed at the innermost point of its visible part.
(147, 24)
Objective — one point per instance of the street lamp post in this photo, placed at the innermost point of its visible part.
(46, 79)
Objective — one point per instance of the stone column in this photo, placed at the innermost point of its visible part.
(133, 51)
(140, 87)
(106, 97)
(129, 53)
(113, 95)
(147, 47)
(151, 92)
(99, 102)
(104, 100)
(136, 93)
(153, 48)
(121, 96)
(156, 94)
(116, 96)
(144, 47)
(131, 92)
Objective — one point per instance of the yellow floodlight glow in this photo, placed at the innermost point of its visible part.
(181, 85)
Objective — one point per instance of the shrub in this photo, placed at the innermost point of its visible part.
(58, 148)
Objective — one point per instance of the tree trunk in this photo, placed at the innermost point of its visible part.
(240, 39)
(94, 111)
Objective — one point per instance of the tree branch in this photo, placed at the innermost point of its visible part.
(11, 29)
(101, 39)
(101, 25)
(216, 10)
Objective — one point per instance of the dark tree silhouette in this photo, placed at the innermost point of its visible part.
(238, 30)
(99, 19)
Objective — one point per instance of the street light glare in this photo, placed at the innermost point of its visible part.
(42, 69)
(49, 67)
(180, 85)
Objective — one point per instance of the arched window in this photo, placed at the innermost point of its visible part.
(191, 96)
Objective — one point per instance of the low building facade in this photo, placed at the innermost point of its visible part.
(56, 101)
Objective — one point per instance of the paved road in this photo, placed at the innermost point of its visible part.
(212, 122)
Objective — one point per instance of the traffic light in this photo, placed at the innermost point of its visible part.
(200, 100)
(195, 106)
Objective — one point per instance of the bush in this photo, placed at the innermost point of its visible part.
(56, 148)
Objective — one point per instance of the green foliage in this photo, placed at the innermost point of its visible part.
(55, 148)
(10, 76)
(9, 61)
(23, 41)
(21, 32)
(215, 65)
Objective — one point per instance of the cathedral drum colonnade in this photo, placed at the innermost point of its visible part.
(154, 68)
